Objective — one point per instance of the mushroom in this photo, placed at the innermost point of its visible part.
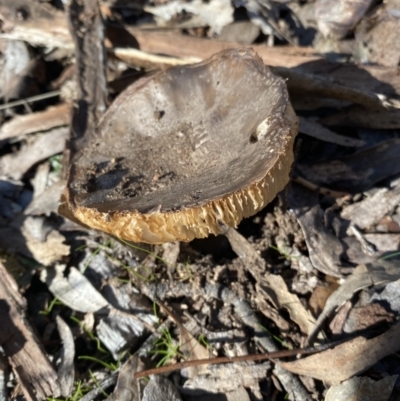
(183, 152)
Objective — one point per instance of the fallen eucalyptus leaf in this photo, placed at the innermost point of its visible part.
(362, 277)
(347, 359)
(362, 389)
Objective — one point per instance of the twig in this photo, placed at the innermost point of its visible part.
(321, 190)
(36, 98)
(242, 358)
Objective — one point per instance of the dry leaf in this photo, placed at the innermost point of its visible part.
(66, 369)
(45, 243)
(362, 389)
(127, 389)
(215, 13)
(160, 388)
(347, 359)
(369, 211)
(41, 147)
(311, 128)
(362, 277)
(359, 171)
(74, 290)
(323, 247)
(275, 289)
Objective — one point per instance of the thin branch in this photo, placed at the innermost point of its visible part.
(31, 99)
(242, 358)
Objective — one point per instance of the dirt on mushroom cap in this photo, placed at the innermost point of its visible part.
(184, 150)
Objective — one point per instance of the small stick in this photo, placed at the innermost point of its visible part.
(324, 191)
(242, 358)
(31, 99)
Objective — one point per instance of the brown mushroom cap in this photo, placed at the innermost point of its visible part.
(184, 150)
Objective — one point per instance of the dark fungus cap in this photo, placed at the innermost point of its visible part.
(184, 150)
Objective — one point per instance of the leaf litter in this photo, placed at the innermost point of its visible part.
(318, 265)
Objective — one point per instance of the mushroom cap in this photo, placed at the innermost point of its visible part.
(185, 150)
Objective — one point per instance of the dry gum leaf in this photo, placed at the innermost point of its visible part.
(359, 171)
(347, 359)
(362, 277)
(369, 211)
(362, 389)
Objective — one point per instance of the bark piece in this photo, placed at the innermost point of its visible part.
(355, 116)
(368, 317)
(227, 378)
(25, 354)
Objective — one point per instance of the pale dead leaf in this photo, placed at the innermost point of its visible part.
(316, 130)
(127, 389)
(362, 389)
(347, 359)
(43, 146)
(193, 349)
(75, 290)
(369, 211)
(275, 289)
(66, 370)
(215, 13)
(160, 388)
(226, 378)
(46, 244)
(362, 277)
